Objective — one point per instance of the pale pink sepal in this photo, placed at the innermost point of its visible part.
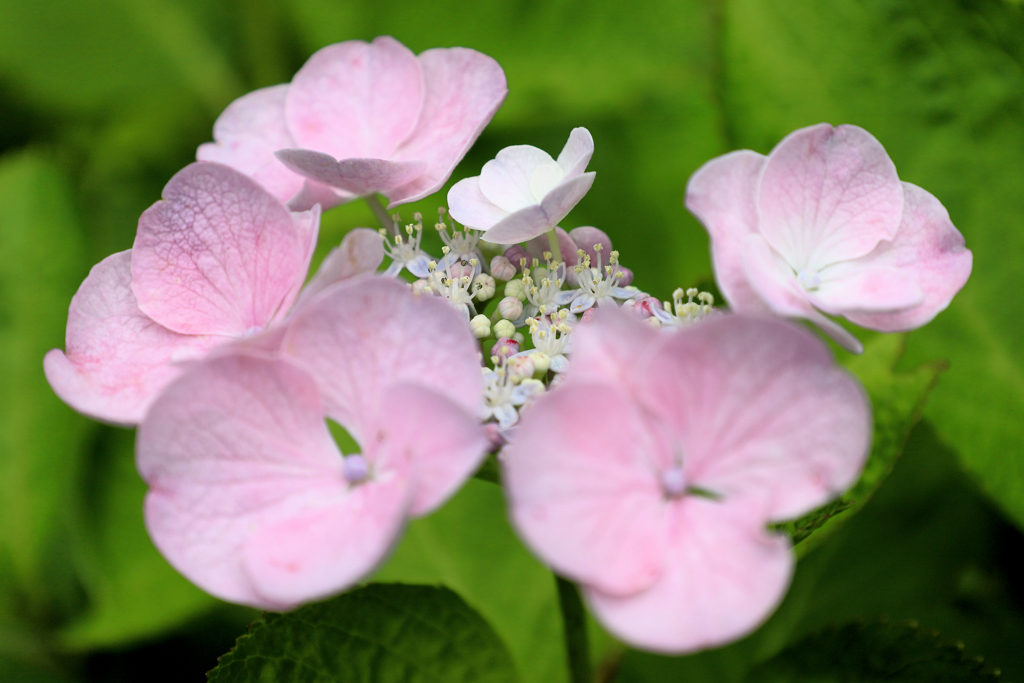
(929, 248)
(721, 194)
(361, 251)
(356, 176)
(218, 254)
(828, 194)
(463, 90)
(239, 461)
(356, 99)
(359, 336)
(248, 133)
(582, 490)
(117, 358)
(761, 411)
(539, 218)
(722, 578)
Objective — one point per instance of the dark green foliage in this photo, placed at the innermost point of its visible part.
(383, 633)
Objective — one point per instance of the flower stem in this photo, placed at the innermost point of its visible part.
(553, 247)
(574, 619)
(380, 213)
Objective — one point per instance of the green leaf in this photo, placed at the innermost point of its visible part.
(867, 652)
(41, 439)
(382, 633)
(897, 399)
(133, 594)
(941, 84)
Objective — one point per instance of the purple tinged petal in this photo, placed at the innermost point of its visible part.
(929, 248)
(313, 193)
(577, 152)
(463, 90)
(117, 358)
(586, 237)
(536, 247)
(827, 195)
(248, 133)
(468, 205)
(722, 195)
(218, 254)
(356, 99)
(359, 176)
(722, 578)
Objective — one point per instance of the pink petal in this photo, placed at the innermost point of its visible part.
(463, 90)
(535, 220)
(361, 251)
(236, 447)
(774, 282)
(117, 358)
(468, 205)
(444, 441)
(828, 194)
(360, 336)
(929, 248)
(505, 179)
(358, 176)
(356, 100)
(723, 576)
(609, 348)
(865, 288)
(586, 237)
(581, 477)
(538, 245)
(218, 255)
(577, 152)
(313, 193)
(721, 194)
(761, 411)
(248, 133)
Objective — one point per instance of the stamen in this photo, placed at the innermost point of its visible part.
(354, 468)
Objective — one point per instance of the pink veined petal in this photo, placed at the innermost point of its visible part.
(772, 280)
(444, 442)
(723, 577)
(355, 99)
(117, 358)
(722, 195)
(313, 193)
(827, 195)
(468, 205)
(358, 176)
(246, 136)
(865, 288)
(218, 254)
(536, 220)
(929, 248)
(463, 89)
(609, 348)
(505, 179)
(577, 152)
(581, 478)
(761, 411)
(360, 336)
(361, 251)
(235, 446)
(307, 225)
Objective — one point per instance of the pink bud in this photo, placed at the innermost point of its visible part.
(461, 269)
(644, 308)
(521, 367)
(516, 252)
(504, 348)
(502, 268)
(588, 315)
(510, 308)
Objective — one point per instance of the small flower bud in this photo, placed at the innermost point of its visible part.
(505, 347)
(541, 362)
(504, 328)
(502, 268)
(422, 286)
(627, 276)
(515, 253)
(521, 367)
(485, 286)
(645, 306)
(518, 336)
(461, 269)
(515, 289)
(481, 326)
(510, 308)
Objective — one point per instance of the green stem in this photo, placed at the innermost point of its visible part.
(553, 247)
(380, 213)
(574, 619)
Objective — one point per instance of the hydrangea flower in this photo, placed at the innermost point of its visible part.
(252, 500)
(824, 225)
(650, 475)
(217, 260)
(361, 118)
(523, 192)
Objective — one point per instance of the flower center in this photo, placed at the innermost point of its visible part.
(809, 279)
(673, 481)
(354, 468)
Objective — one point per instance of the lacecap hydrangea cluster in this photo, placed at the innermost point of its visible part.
(645, 445)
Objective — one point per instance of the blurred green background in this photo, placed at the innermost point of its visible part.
(101, 101)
